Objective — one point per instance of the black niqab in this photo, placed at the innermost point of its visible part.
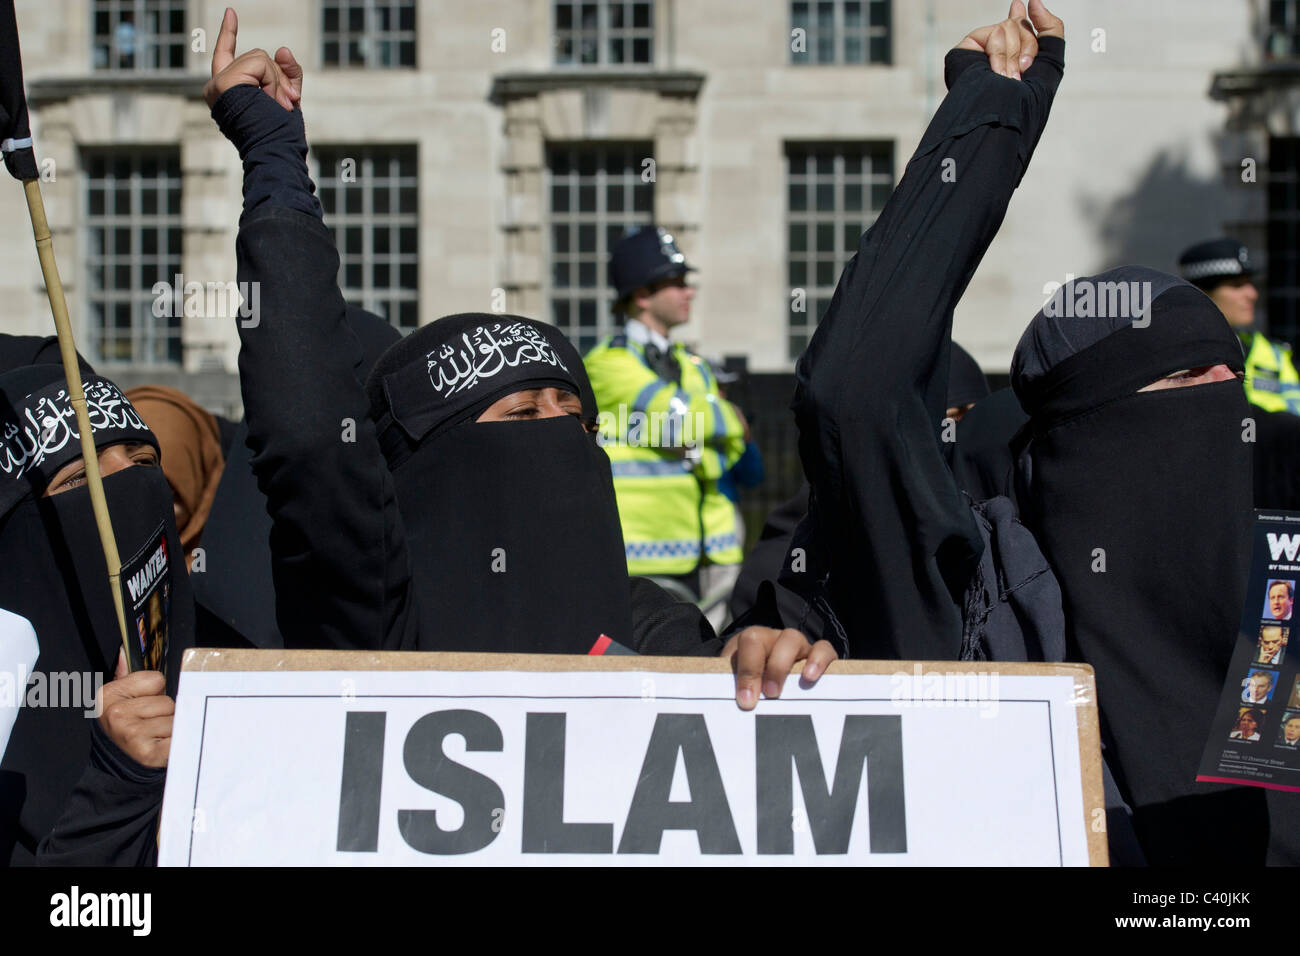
(512, 527)
(55, 577)
(1142, 503)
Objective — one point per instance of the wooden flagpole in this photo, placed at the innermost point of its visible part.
(72, 372)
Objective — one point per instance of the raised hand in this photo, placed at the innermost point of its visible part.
(280, 78)
(1012, 44)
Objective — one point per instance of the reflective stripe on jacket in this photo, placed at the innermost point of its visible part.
(668, 444)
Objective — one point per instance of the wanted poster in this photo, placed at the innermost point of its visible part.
(146, 596)
(1255, 738)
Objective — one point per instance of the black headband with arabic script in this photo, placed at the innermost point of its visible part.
(38, 427)
(446, 373)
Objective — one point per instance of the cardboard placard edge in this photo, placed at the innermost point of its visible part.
(1085, 695)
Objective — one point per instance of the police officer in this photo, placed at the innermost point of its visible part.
(669, 434)
(1221, 268)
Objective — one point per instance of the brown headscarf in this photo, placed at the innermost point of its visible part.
(191, 453)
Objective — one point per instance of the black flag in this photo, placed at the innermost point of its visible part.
(15, 129)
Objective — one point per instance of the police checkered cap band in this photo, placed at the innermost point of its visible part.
(1212, 267)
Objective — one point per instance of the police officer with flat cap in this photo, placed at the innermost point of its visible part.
(669, 434)
(1221, 268)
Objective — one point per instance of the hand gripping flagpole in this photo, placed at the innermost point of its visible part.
(20, 159)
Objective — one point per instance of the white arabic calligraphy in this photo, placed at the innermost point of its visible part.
(485, 353)
(52, 422)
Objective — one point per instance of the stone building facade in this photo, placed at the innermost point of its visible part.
(482, 157)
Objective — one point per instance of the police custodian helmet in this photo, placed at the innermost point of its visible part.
(645, 255)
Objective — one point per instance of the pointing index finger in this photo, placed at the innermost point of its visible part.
(223, 53)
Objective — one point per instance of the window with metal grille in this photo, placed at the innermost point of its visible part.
(370, 195)
(604, 32)
(1282, 36)
(375, 34)
(139, 35)
(833, 193)
(132, 239)
(839, 31)
(594, 193)
(1284, 238)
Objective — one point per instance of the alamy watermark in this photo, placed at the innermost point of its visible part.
(1089, 299)
(76, 689)
(640, 429)
(133, 911)
(178, 298)
(975, 689)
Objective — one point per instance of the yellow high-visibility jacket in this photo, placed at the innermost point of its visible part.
(1271, 379)
(668, 445)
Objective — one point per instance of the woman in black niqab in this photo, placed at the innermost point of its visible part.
(55, 577)
(512, 526)
(1141, 501)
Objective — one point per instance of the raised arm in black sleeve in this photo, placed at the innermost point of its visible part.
(339, 558)
(870, 392)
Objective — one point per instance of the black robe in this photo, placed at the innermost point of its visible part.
(981, 455)
(67, 794)
(899, 540)
(1141, 499)
(340, 548)
(234, 597)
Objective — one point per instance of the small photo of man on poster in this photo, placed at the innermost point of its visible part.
(1258, 687)
(1279, 599)
(1290, 735)
(1272, 644)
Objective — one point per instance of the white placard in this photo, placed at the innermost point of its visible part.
(631, 767)
(18, 653)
